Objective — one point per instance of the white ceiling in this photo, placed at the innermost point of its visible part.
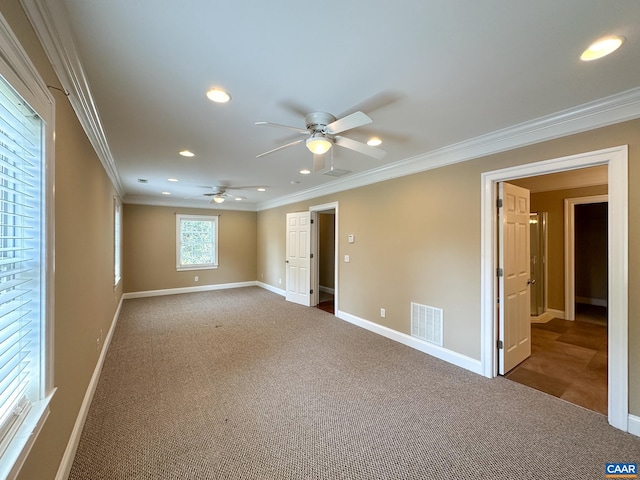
(430, 73)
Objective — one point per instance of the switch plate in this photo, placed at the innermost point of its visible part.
(347, 259)
(383, 312)
(351, 238)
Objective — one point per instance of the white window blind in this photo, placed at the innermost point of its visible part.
(21, 276)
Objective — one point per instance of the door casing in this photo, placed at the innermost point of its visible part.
(616, 159)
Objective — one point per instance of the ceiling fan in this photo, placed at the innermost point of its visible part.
(219, 194)
(322, 131)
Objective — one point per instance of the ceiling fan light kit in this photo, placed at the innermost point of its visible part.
(322, 130)
(318, 144)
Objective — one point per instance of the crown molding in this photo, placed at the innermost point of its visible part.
(184, 203)
(610, 110)
(49, 20)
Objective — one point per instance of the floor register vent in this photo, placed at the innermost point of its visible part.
(426, 323)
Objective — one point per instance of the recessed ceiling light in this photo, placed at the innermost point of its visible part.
(166, 193)
(172, 179)
(305, 171)
(374, 141)
(218, 95)
(238, 199)
(262, 189)
(602, 48)
(187, 153)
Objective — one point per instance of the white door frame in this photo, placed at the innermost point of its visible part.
(314, 281)
(616, 159)
(570, 250)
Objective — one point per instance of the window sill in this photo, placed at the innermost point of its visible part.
(20, 446)
(196, 267)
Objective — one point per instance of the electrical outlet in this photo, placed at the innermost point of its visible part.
(347, 259)
(383, 312)
(195, 278)
(97, 344)
(279, 281)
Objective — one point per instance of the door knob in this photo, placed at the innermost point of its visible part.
(531, 282)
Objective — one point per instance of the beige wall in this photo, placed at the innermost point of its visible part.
(85, 298)
(553, 204)
(150, 249)
(418, 239)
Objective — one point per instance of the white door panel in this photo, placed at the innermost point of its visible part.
(515, 322)
(297, 258)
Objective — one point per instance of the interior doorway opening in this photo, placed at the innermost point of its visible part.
(616, 161)
(324, 264)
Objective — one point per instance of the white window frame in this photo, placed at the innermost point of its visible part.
(18, 70)
(117, 241)
(213, 219)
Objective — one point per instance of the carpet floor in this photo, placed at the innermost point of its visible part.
(239, 384)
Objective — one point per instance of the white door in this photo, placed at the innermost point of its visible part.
(514, 308)
(298, 245)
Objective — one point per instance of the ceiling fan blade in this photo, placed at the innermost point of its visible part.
(319, 162)
(277, 125)
(280, 148)
(360, 147)
(356, 119)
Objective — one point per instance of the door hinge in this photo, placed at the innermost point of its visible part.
(311, 292)
(311, 221)
(311, 255)
(500, 345)
(499, 203)
(500, 272)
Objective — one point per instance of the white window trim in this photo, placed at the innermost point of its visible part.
(117, 241)
(19, 71)
(207, 266)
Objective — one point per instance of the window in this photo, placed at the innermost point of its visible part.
(117, 240)
(26, 263)
(196, 242)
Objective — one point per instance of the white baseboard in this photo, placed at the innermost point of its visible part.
(266, 286)
(599, 302)
(177, 291)
(556, 313)
(74, 439)
(447, 355)
(634, 425)
(332, 291)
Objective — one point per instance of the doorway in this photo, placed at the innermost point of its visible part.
(324, 258)
(616, 160)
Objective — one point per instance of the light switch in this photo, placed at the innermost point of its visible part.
(351, 238)
(346, 259)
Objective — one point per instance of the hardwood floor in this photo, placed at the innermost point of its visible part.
(569, 359)
(326, 302)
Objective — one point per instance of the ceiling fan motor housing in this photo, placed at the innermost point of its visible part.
(317, 121)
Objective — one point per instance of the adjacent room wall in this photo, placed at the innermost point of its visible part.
(418, 239)
(326, 249)
(553, 203)
(85, 297)
(150, 249)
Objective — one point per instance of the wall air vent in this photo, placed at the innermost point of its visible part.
(426, 323)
